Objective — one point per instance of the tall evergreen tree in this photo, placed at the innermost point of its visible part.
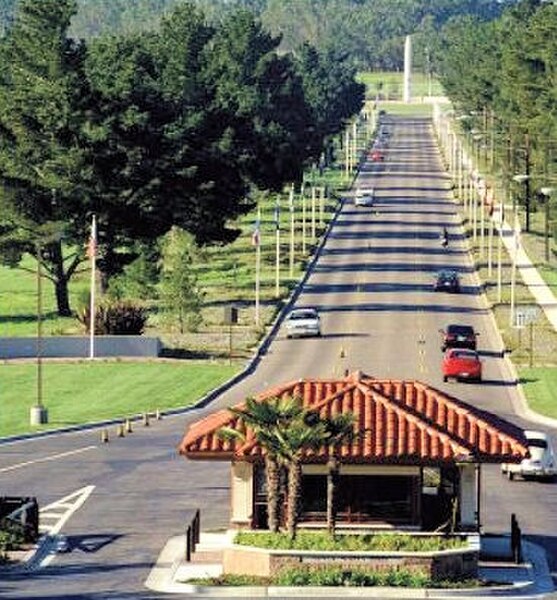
(41, 95)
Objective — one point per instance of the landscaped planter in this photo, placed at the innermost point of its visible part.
(442, 564)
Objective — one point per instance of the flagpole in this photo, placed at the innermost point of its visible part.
(257, 268)
(516, 240)
(313, 209)
(92, 251)
(292, 224)
(277, 229)
(303, 220)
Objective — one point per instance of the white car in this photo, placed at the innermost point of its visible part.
(542, 462)
(302, 322)
(364, 197)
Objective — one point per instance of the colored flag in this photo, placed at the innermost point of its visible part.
(256, 235)
(277, 215)
(92, 243)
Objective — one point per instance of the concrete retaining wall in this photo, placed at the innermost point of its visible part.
(78, 346)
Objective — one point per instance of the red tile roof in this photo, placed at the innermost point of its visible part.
(403, 422)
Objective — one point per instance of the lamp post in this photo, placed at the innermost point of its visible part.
(547, 193)
(38, 413)
(516, 228)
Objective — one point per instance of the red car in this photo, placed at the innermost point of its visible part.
(377, 156)
(461, 363)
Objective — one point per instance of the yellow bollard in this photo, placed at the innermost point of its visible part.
(342, 353)
(128, 426)
(146, 419)
(104, 436)
(158, 415)
(120, 431)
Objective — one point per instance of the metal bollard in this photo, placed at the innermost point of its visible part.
(128, 426)
(120, 431)
(146, 419)
(104, 436)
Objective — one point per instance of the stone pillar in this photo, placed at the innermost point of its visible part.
(241, 508)
(408, 69)
(468, 497)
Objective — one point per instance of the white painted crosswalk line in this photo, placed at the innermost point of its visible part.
(69, 504)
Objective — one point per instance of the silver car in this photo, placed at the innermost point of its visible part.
(542, 463)
(364, 197)
(302, 322)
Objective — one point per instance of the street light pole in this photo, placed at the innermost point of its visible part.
(547, 193)
(39, 414)
(516, 229)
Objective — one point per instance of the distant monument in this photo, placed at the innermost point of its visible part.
(407, 96)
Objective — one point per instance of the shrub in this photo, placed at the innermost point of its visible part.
(122, 317)
(338, 576)
(353, 542)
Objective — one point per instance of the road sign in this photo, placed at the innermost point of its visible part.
(526, 315)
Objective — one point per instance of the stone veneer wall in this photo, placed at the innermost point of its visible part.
(246, 560)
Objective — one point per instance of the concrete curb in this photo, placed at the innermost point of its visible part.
(520, 407)
(161, 579)
(214, 393)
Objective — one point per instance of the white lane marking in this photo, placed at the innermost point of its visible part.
(45, 459)
(76, 500)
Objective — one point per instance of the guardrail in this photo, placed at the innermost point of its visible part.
(193, 529)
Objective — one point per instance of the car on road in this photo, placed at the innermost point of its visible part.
(364, 197)
(303, 322)
(542, 462)
(447, 281)
(458, 336)
(462, 363)
(62, 545)
(377, 155)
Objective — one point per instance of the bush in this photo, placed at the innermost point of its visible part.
(339, 576)
(121, 317)
(323, 541)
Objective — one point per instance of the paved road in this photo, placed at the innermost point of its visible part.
(373, 285)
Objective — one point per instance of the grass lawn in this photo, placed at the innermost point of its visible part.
(540, 387)
(83, 392)
(393, 82)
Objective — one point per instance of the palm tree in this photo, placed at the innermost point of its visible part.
(339, 429)
(267, 419)
(305, 432)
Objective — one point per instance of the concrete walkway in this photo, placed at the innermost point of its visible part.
(542, 293)
(171, 574)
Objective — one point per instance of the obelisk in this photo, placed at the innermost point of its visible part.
(407, 96)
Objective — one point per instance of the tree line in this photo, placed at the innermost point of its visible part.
(151, 130)
(371, 32)
(500, 75)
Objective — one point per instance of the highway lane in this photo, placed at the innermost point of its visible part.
(373, 286)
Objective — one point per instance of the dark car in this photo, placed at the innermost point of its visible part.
(459, 336)
(447, 281)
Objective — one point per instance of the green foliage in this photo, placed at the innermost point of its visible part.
(138, 280)
(119, 317)
(353, 542)
(11, 538)
(180, 294)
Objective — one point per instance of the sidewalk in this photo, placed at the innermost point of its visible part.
(542, 293)
(531, 579)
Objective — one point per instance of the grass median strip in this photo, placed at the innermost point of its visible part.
(83, 392)
(539, 384)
